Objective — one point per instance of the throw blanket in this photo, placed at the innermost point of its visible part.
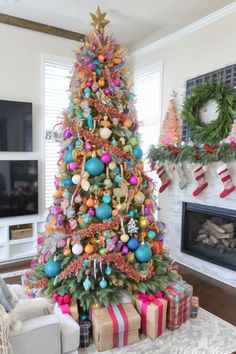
(5, 347)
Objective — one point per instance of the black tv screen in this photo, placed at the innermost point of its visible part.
(15, 126)
(18, 188)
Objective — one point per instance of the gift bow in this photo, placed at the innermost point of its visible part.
(146, 300)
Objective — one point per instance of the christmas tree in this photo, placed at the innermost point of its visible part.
(101, 234)
(169, 134)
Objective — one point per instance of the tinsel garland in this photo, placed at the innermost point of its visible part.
(111, 112)
(193, 154)
(115, 258)
(103, 144)
(99, 227)
(42, 283)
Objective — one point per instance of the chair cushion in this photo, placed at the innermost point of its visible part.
(70, 333)
(32, 308)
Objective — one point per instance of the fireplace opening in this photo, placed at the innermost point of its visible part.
(209, 233)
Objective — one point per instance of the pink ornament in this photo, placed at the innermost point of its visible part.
(67, 134)
(116, 82)
(88, 146)
(107, 91)
(91, 66)
(106, 158)
(61, 243)
(125, 250)
(133, 180)
(91, 212)
(73, 224)
(89, 84)
(72, 166)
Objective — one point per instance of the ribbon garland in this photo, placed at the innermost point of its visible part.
(146, 300)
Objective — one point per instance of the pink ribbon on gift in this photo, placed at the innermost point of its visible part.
(120, 325)
(147, 299)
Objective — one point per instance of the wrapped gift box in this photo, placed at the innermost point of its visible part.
(152, 309)
(179, 297)
(195, 306)
(115, 326)
(85, 331)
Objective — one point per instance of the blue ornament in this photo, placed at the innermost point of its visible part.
(106, 198)
(94, 166)
(96, 62)
(52, 268)
(103, 283)
(143, 253)
(137, 151)
(131, 213)
(85, 263)
(87, 284)
(151, 234)
(103, 211)
(68, 181)
(133, 244)
(68, 156)
(108, 270)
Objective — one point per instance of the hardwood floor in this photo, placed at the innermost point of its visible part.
(214, 296)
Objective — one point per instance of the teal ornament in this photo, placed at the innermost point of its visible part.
(66, 194)
(151, 234)
(86, 218)
(87, 95)
(52, 268)
(68, 181)
(96, 62)
(85, 263)
(106, 198)
(143, 253)
(94, 166)
(108, 270)
(103, 211)
(103, 283)
(68, 156)
(131, 213)
(87, 284)
(90, 121)
(133, 244)
(103, 251)
(87, 90)
(98, 72)
(70, 213)
(137, 152)
(79, 143)
(118, 179)
(117, 170)
(114, 142)
(83, 317)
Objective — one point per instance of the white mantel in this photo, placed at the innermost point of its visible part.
(171, 213)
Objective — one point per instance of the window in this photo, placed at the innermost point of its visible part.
(148, 96)
(56, 80)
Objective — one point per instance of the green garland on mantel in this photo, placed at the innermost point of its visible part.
(193, 154)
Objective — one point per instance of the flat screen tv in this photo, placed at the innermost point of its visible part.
(15, 126)
(18, 188)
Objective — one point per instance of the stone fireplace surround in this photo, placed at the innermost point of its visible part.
(170, 202)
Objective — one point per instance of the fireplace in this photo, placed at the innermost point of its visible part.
(209, 233)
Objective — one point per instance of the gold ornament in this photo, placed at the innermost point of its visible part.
(139, 198)
(124, 237)
(98, 20)
(130, 257)
(143, 222)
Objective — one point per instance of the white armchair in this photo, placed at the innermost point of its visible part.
(49, 334)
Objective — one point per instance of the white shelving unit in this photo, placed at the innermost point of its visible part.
(13, 250)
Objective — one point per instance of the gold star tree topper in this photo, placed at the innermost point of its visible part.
(99, 22)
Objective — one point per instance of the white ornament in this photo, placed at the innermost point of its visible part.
(78, 199)
(76, 179)
(105, 133)
(85, 184)
(77, 249)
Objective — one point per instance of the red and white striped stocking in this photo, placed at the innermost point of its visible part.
(165, 179)
(200, 177)
(225, 177)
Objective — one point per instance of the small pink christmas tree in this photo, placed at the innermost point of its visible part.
(170, 130)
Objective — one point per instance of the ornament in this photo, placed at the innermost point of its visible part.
(72, 166)
(94, 166)
(103, 251)
(151, 234)
(79, 143)
(103, 283)
(88, 146)
(139, 198)
(133, 244)
(133, 180)
(89, 249)
(124, 238)
(91, 212)
(85, 262)
(112, 166)
(67, 134)
(143, 222)
(105, 133)
(116, 60)
(76, 179)
(114, 142)
(137, 152)
(143, 253)
(61, 243)
(77, 249)
(87, 284)
(90, 202)
(116, 82)
(101, 82)
(72, 224)
(68, 181)
(108, 269)
(133, 140)
(52, 268)
(67, 250)
(131, 213)
(132, 227)
(115, 212)
(106, 158)
(103, 211)
(85, 185)
(106, 198)
(125, 250)
(68, 156)
(127, 123)
(101, 57)
(107, 91)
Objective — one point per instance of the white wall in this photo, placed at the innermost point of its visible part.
(21, 78)
(205, 50)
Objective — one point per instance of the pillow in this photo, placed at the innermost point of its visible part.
(6, 299)
(31, 308)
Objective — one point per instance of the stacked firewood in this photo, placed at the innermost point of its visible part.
(212, 233)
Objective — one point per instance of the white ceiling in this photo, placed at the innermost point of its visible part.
(133, 22)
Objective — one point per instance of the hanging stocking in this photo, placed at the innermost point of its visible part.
(225, 177)
(165, 179)
(200, 177)
(181, 174)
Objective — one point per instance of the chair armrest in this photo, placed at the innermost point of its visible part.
(38, 335)
(70, 333)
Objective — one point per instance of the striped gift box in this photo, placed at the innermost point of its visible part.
(195, 306)
(179, 297)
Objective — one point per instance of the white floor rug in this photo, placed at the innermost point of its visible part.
(207, 334)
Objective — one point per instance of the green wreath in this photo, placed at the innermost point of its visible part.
(217, 130)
